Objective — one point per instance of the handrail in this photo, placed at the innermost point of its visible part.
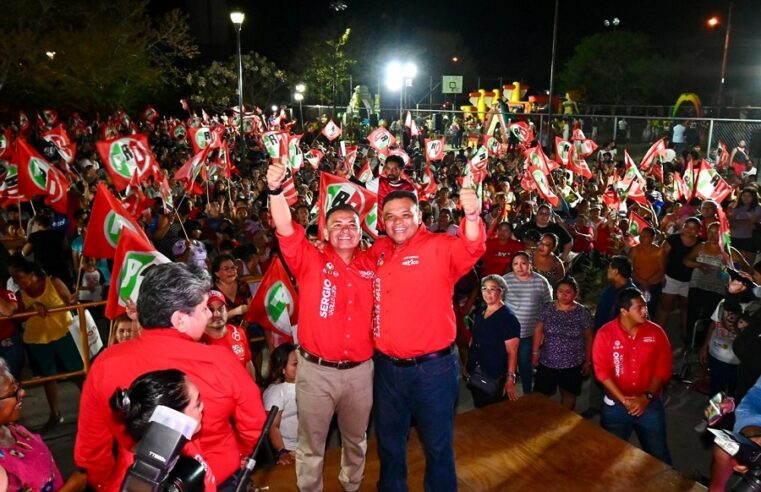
(60, 309)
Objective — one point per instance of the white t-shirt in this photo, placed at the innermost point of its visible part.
(283, 395)
(720, 346)
(678, 130)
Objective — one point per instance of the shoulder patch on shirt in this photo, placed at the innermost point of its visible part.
(617, 345)
(411, 260)
(648, 339)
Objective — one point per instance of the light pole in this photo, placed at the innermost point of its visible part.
(237, 18)
(713, 22)
(551, 94)
(299, 96)
(399, 76)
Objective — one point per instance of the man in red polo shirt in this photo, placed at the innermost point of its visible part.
(632, 360)
(498, 258)
(416, 370)
(335, 373)
(218, 332)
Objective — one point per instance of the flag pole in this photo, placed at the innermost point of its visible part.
(20, 224)
(31, 203)
(182, 226)
(79, 276)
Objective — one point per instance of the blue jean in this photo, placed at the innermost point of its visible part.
(427, 392)
(525, 367)
(650, 426)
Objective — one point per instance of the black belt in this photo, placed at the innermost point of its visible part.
(420, 358)
(316, 359)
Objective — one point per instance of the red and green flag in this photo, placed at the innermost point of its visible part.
(275, 304)
(125, 156)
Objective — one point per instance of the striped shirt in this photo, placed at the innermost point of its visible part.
(527, 299)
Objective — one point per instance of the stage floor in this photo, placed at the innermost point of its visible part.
(532, 444)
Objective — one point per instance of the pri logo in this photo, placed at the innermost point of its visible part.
(279, 305)
(564, 150)
(133, 268)
(344, 194)
(127, 155)
(112, 227)
(371, 220)
(202, 138)
(493, 145)
(38, 171)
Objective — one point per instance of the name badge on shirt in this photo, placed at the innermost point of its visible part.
(411, 260)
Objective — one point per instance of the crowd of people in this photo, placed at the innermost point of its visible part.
(491, 282)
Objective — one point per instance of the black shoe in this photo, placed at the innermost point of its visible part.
(590, 413)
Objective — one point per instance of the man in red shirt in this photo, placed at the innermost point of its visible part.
(416, 370)
(498, 258)
(172, 310)
(632, 360)
(218, 332)
(335, 373)
(390, 180)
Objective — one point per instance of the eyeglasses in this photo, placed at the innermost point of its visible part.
(14, 393)
(491, 290)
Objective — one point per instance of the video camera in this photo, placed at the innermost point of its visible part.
(158, 465)
(747, 453)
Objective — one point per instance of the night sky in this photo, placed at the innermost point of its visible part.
(510, 39)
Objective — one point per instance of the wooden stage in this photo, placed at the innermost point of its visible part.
(532, 444)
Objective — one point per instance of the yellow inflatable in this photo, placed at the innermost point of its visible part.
(688, 97)
(481, 100)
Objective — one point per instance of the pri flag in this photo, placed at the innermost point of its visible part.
(36, 176)
(331, 130)
(408, 120)
(126, 156)
(107, 221)
(381, 139)
(200, 138)
(9, 191)
(434, 149)
(535, 156)
(275, 304)
(295, 155)
(542, 186)
(314, 157)
(563, 151)
(636, 224)
(521, 131)
(491, 144)
(652, 154)
(710, 185)
(134, 254)
(273, 142)
(365, 172)
(335, 190)
(578, 165)
(58, 137)
(5, 143)
(149, 114)
(477, 166)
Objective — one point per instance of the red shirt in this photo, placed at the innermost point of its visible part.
(414, 289)
(335, 299)
(234, 339)
(228, 392)
(582, 244)
(7, 326)
(498, 258)
(631, 363)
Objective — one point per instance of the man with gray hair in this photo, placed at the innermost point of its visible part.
(172, 308)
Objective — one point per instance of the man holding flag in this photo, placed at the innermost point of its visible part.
(335, 373)
(390, 180)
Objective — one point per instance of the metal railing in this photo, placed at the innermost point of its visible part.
(80, 308)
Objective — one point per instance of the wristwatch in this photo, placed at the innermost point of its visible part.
(275, 192)
(649, 396)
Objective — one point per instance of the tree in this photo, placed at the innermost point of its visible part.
(617, 67)
(326, 67)
(216, 86)
(103, 55)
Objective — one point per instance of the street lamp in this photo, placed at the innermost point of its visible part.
(299, 97)
(237, 19)
(713, 22)
(399, 76)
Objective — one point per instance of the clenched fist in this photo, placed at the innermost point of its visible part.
(469, 200)
(276, 173)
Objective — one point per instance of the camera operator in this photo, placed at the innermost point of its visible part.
(172, 308)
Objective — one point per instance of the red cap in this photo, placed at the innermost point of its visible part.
(215, 295)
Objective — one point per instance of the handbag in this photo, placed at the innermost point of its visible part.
(94, 342)
(485, 383)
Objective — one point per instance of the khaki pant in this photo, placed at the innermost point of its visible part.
(321, 392)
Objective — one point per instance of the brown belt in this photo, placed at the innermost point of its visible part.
(316, 359)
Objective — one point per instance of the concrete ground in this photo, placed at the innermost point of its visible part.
(684, 409)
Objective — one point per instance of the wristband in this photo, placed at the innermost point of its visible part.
(274, 192)
(511, 377)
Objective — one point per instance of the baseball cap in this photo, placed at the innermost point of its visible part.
(215, 295)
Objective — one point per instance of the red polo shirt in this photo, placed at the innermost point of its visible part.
(498, 257)
(335, 299)
(632, 363)
(235, 340)
(233, 415)
(414, 289)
